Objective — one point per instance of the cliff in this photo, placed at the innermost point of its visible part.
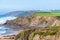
(36, 27)
(33, 21)
(50, 33)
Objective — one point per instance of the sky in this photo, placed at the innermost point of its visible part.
(13, 5)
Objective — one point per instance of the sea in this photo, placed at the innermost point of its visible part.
(3, 29)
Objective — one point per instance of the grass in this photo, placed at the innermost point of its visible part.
(47, 14)
(53, 28)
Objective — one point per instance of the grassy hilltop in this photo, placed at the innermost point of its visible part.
(47, 14)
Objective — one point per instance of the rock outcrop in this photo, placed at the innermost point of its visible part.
(19, 23)
(33, 22)
(40, 34)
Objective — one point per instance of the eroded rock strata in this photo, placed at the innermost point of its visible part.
(51, 33)
(33, 22)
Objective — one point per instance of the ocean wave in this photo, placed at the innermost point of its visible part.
(4, 19)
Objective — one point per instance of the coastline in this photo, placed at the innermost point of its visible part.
(9, 36)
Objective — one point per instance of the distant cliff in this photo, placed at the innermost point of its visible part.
(18, 13)
(33, 21)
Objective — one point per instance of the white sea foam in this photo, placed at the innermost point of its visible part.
(2, 30)
(5, 30)
(4, 19)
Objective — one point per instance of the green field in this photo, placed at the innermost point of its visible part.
(47, 14)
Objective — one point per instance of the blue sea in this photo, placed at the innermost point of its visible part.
(3, 29)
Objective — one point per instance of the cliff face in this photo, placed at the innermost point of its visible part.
(39, 34)
(19, 23)
(33, 22)
(44, 21)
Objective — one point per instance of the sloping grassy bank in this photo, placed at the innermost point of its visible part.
(51, 33)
